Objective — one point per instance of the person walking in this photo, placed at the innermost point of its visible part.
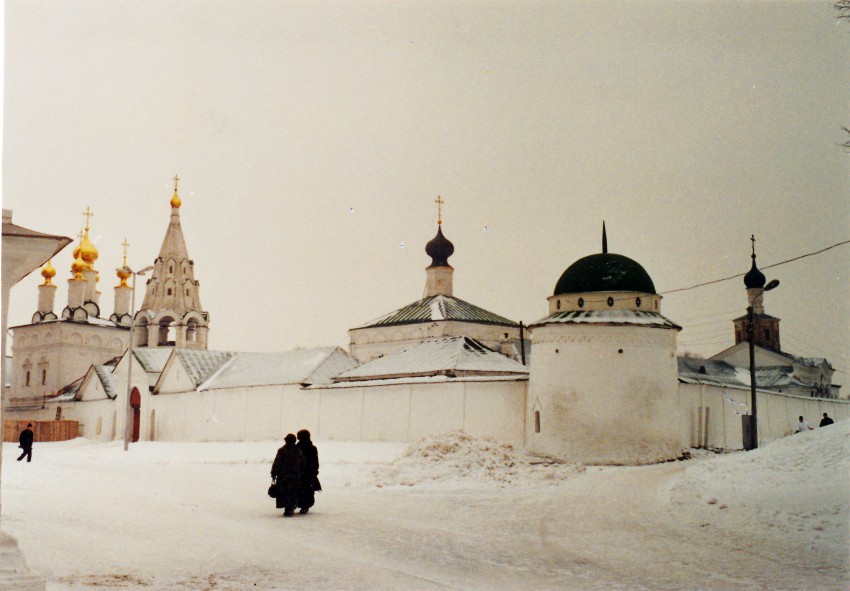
(803, 425)
(310, 474)
(25, 443)
(825, 421)
(286, 473)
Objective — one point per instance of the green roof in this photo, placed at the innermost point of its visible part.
(440, 307)
(604, 272)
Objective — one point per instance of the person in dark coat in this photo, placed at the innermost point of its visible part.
(25, 443)
(286, 473)
(310, 474)
(825, 421)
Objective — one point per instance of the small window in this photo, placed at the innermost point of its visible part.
(43, 377)
(558, 304)
(170, 268)
(581, 302)
(637, 302)
(766, 334)
(537, 421)
(187, 291)
(169, 291)
(28, 378)
(610, 301)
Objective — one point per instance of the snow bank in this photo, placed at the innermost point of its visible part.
(795, 488)
(459, 458)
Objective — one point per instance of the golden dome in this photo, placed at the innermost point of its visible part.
(175, 199)
(124, 274)
(88, 252)
(78, 266)
(48, 272)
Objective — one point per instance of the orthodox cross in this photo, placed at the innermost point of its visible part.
(439, 201)
(89, 214)
(125, 244)
(753, 240)
(176, 180)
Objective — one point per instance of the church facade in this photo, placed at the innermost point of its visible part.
(596, 380)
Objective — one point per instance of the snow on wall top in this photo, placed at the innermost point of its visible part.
(613, 317)
(449, 356)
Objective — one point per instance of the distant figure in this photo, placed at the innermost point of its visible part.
(25, 443)
(286, 473)
(803, 425)
(825, 421)
(310, 475)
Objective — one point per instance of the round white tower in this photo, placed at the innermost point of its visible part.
(603, 386)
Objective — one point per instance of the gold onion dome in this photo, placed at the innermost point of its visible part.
(124, 274)
(48, 272)
(88, 251)
(78, 266)
(175, 199)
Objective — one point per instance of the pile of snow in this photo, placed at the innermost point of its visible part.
(795, 488)
(460, 458)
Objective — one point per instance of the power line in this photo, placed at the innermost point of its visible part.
(802, 256)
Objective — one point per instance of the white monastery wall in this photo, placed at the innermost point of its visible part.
(777, 414)
(605, 394)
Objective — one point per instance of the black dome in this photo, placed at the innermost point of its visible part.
(754, 278)
(439, 248)
(604, 272)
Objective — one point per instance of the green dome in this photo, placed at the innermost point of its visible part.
(604, 272)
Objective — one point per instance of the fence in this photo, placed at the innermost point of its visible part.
(42, 430)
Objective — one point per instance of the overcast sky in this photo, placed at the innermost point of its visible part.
(313, 137)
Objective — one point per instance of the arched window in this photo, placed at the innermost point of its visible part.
(28, 378)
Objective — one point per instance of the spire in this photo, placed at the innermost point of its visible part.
(439, 201)
(175, 199)
(604, 239)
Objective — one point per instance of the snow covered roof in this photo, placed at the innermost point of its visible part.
(302, 366)
(108, 380)
(717, 373)
(153, 358)
(440, 307)
(611, 317)
(201, 364)
(450, 356)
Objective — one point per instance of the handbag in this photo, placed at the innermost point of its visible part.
(273, 490)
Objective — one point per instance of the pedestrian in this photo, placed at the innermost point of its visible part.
(310, 475)
(825, 421)
(803, 425)
(286, 474)
(25, 443)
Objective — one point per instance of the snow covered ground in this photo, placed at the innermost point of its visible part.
(446, 513)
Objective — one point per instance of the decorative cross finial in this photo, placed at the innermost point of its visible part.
(125, 244)
(753, 240)
(89, 214)
(80, 235)
(176, 180)
(439, 201)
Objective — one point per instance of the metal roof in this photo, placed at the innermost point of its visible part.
(153, 358)
(440, 307)
(613, 317)
(200, 364)
(108, 380)
(302, 366)
(451, 356)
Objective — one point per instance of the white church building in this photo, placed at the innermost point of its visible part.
(596, 380)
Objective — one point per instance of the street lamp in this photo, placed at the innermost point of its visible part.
(752, 427)
(129, 409)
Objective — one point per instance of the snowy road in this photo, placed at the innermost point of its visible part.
(195, 516)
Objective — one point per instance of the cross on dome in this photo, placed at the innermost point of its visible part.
(439, 201)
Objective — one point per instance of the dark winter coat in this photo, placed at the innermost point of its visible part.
(286, 471)
(309, 476)
(26, 439)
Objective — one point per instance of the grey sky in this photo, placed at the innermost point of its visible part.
(312, 138)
